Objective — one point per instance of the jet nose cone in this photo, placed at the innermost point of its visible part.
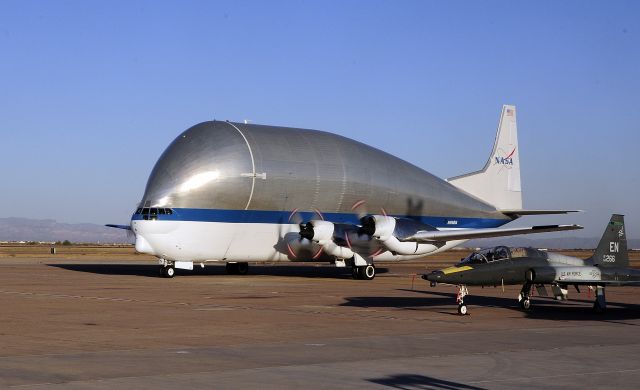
(434, 276)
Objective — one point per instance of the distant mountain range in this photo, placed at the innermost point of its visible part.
(24, 229)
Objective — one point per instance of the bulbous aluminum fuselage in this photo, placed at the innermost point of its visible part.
(244, 176)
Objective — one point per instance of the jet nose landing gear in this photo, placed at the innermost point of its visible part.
(462, 292)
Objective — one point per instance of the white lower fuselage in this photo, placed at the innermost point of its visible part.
(232, 242)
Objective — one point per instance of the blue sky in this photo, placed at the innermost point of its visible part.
(92, 92)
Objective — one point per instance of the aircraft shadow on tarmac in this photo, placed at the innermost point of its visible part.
(305, 271)
(414, 381)
(542, 307)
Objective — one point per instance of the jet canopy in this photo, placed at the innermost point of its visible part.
(500, 253)
(488, 255)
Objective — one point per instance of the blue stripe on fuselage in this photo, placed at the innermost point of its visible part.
(264, 216)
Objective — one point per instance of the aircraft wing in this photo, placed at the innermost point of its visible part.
(125, 227)
(467, 234)
(514, 213)
(594, 282)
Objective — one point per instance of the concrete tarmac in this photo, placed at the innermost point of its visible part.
(101, 324)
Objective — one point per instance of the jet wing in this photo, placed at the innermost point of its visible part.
(467, 234)
(582, 282)
(125, 227)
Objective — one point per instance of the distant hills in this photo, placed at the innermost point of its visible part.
(49, 230)
(25, 229)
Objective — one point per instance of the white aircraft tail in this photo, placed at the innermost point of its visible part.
(498, 183)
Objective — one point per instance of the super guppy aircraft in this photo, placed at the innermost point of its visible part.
(232, 192)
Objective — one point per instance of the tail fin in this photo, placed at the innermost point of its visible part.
(612, 249)
(498, 183)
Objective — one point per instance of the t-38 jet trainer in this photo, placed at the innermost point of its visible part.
(237, 192)
(531, 267)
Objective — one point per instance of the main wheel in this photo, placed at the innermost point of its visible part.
(525, 304)
(367, 272)
(242, 268)
(462, 309)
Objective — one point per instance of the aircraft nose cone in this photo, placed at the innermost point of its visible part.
(434, 276)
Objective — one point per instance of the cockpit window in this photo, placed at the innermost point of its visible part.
(487, 255)
(153, 212)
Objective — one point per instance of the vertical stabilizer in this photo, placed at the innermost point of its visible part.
(612, 248)
(498, 183)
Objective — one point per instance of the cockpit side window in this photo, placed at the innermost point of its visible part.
(501, 253)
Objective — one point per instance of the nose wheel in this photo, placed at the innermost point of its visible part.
(168, 271)
(462, 292)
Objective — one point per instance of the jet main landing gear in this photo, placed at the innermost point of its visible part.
(524, 299)
(600, 305)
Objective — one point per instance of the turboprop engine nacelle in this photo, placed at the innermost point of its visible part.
(322, 232)
(388, 230)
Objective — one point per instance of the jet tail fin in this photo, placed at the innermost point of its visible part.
(498, 183)
(612, 248)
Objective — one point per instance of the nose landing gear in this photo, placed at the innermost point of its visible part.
(462, 292)
(167, 269)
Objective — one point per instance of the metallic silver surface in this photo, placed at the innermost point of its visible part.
(222, 165)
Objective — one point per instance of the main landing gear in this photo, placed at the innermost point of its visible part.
(600, 305)
(524, 299)
(462, 292)
(237, 268)
(364, 272)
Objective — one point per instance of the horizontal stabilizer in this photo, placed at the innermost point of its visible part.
(518, 213)
(468, 234)
(125, 227)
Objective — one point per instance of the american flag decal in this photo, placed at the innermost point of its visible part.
(509, 112)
